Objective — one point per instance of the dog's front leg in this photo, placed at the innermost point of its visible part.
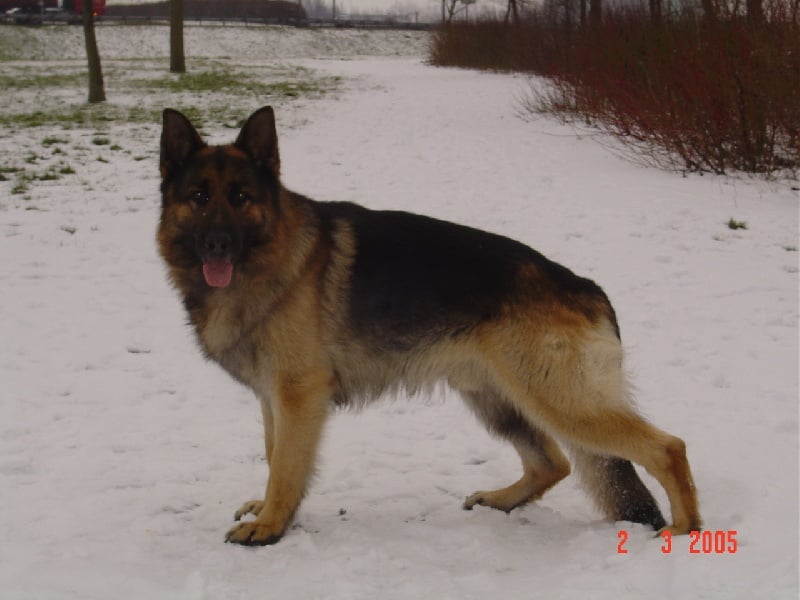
(253, 507)
(298, 412)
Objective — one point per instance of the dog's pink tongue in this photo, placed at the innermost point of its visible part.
(218, 272)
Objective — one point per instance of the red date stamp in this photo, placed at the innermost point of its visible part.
(700, 542)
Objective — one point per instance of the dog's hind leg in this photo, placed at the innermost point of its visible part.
(609, 440)
(617, 489)
(584, 402)
(543, 463)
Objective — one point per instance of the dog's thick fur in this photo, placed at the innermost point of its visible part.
(315, 305)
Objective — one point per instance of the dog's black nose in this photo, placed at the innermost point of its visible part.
(217, 244)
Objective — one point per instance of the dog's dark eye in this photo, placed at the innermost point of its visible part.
(239, 198)
(199, 197)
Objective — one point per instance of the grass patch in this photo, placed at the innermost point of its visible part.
(290, 83)
(21, 184)
(76, 117)
(51, 140)
(236, 92)
(216, 82)
(49, 175)
(26, 81)
(212, 95)
(8, 170)
(24, 178)
(734, 224)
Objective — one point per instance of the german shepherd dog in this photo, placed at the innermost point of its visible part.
(316, 305)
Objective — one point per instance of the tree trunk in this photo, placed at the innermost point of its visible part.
(755, 12)
(97, 92)
(595, 10)
(512, 11)
(177, 61)
(709, 10)
(568, 17)
(451, 10)
(655, 11)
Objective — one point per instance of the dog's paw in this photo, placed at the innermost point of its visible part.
(494, 500)
(471, 501)
(679, 530)
(253, 533)
(253, 507)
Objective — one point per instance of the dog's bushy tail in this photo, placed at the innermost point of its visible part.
(617, 489)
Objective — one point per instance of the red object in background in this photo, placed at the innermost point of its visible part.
(98, 6)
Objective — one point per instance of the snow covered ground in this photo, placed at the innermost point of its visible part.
(123, 454)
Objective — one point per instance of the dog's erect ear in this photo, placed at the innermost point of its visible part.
(259, 139)
(179, 140)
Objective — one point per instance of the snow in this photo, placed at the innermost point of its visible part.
(209, 41)
(123, 454)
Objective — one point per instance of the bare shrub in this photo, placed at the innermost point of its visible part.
(683, 92)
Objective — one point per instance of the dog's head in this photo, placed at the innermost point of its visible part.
(218, 202)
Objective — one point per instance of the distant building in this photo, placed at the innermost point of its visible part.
(38, 5)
